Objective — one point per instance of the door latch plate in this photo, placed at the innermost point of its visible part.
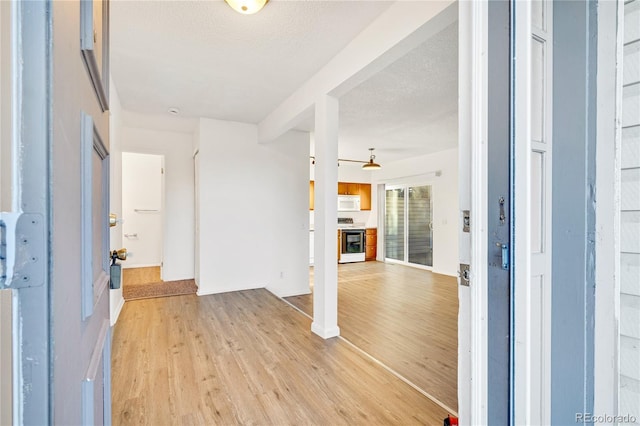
(466, 221)
(465, 274)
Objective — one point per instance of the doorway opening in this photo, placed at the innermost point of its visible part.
(142, 225)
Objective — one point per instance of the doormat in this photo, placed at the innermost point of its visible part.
(159, 289)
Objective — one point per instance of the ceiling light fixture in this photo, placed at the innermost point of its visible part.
(247, 7)
(366, 165)
(371, 165)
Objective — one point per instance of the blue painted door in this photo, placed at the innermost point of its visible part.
(61, 301)
(80, 309)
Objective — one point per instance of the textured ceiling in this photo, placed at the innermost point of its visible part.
(410, 108)
(209, 61)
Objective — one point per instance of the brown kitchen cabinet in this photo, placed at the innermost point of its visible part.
(348, 188)
(371, 244)
(361, 189)
(365, 196)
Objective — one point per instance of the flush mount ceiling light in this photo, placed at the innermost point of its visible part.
(247, 7)
(371, 165)
(368, 165)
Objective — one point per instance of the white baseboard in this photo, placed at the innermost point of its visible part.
(289, 293)
(206, 292)
(143, 265)
(116, 313)
(449, 273)
(325, 333)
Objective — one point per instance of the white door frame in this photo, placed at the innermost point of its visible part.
(609, 128)
(532, 188)
(473, 184)
(473, 178)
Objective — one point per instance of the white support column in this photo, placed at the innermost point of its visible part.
(325, 282)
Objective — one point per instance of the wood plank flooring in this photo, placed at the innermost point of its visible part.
(405, 317)
(135, 276)
(247, 358)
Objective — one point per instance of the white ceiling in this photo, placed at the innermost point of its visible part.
(408, 109)
(210, 61)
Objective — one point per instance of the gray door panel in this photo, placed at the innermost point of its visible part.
(498, 229)
(80, 210)
(62, 333)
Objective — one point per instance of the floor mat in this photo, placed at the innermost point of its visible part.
(159, 289)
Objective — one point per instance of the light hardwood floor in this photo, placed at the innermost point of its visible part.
(247, 358)
(134, 276)
(405, 317)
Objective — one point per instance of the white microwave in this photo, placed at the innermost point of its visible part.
(348, 203)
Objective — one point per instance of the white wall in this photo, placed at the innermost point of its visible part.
(445, 200)
(116, 301)
(177, 148)
(253, 209)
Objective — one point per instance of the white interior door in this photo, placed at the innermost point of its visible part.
(142, 209)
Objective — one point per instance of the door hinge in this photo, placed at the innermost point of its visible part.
(161, 170)
(465, 274)
(22, 250)
(466, 221)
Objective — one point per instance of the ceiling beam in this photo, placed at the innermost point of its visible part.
(397, 31)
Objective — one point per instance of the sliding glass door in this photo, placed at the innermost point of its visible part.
(408, 224)
(394, 224)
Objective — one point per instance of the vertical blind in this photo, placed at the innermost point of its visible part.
(394, 224)
(408, 225)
